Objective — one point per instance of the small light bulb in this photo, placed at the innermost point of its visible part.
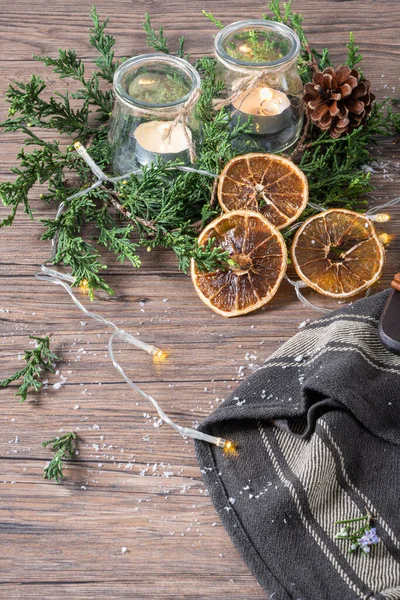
(382, 218)
(229, 448)
(384, 238)
(160, 356)
(84, 284)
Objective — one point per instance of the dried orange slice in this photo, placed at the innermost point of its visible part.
(260, 256)
(338, 253)
(265, 183)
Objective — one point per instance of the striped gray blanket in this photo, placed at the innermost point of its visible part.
(317, 436)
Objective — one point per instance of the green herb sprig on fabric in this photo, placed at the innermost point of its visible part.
(64, 450)
(155, 209)
(38, 360)
(360, 538)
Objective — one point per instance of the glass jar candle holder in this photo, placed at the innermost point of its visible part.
(257, 61)
(154, 112)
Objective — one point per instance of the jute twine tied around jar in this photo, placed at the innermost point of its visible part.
(179, 116)
(248, 83)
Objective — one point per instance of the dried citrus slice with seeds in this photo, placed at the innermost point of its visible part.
(338, 253)
(259, 255)
(266, 183)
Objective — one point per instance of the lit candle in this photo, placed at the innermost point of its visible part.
(270, 110)
(154, 139)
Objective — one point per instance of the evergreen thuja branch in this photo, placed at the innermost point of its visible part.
(213, 19)
(155, 40)
(159, 42)
(310, 60)
(68, 65)
(157, 209)
(104, 44)
(38, 360)
(353, 56)
(64, 450)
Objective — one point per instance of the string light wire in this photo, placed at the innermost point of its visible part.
(65, 279)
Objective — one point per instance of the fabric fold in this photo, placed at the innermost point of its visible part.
(316, 431)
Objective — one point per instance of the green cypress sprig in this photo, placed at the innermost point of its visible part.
(213, 19)
(38, 360)
(155, 40)
(64, 450)
(353, 56)
(158, 209)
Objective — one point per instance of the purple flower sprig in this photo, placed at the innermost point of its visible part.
(361, 538)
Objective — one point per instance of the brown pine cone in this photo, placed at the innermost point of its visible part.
(337, 101)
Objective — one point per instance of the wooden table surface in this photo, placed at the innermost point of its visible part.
(134, 485)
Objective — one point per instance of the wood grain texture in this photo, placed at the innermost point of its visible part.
(134, 485)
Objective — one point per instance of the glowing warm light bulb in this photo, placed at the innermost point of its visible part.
(229, 448)
(160, 356)
(84, 284)
(384, 238)
(382, 218)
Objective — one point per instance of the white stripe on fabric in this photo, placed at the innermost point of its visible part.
(306, 363)
(363, 336)
(366, 500)
(392, 594)
(341, 316)
(304, 520)
(315, 468)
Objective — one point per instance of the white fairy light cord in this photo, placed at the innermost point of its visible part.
(64, 280)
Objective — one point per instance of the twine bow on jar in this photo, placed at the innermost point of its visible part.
(179, 116)
(182, 117)
(247, 84)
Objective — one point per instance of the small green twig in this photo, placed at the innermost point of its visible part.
(211, 17)
(64, 450)
(38, 360)
(360, 539)
(345, 521)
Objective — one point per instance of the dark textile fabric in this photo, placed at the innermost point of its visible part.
(317, 437)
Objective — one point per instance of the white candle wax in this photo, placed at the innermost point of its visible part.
(267, 107)
(262, 101)
(154, 137)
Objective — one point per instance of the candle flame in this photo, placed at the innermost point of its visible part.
(165, 130)
(266, 94)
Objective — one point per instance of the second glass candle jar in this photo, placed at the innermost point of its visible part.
(147, 121)
(257, 61)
